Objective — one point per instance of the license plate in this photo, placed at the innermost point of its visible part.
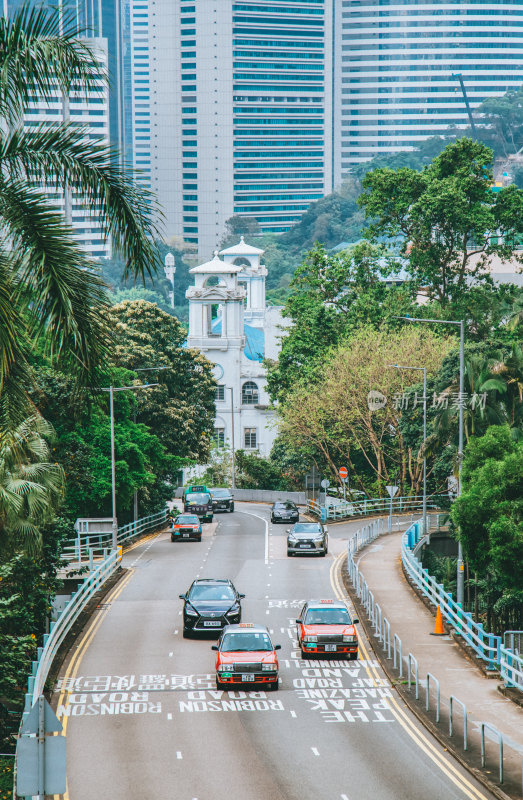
(330, 648)
(214, 623)
(303, 546)
(185, 535)
(246, 678)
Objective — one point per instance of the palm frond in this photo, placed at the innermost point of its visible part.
(63, 154)
(39, 50)
(63, 299)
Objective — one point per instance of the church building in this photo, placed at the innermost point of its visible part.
(232, 326)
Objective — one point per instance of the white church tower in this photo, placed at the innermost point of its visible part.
(230, 324)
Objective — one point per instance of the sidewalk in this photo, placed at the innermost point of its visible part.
(409, 618)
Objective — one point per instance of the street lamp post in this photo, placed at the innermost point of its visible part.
(460, 570)
(424, 370)
(231, 389)
(112, 390)
(143, 369)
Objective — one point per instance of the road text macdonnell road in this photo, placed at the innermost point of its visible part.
(332, 689)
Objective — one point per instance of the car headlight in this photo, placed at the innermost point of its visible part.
(235, 609)
(350, 639)
(189, 610)
(269, 667)
(310, 639)
(293, 539)
(224, 668)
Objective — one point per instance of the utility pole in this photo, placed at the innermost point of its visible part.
(459, 77)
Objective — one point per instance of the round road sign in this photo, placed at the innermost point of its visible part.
(343, 472)
(325, 483)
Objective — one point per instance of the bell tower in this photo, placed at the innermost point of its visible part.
(252, 277)
(216, 307)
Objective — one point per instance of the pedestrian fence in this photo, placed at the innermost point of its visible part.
(488, 647)
(60, 629)
(341, 509)
(382, 631)
(89, 541)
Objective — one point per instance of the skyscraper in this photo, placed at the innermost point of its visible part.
(394, 66)
(252, 84)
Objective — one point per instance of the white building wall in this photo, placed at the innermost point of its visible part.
(91, 111)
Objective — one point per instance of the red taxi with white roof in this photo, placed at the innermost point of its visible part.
(326, 627)
(246, 655)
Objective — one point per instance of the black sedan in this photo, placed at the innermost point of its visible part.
(284, 511)
(222, 500)
(307, 538)
(210, 605)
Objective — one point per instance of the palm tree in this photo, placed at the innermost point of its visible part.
(485, 387)
(31, 486)
(50, 295)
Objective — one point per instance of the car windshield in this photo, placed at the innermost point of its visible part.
(211, 591)
(187, 519)
(285, 506)
(220, 493)
(328, 616)
(197, 499)
(245, 642)
(306, 527)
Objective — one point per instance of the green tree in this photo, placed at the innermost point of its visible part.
(181, 409)
(31, 485)
(489, 514)
(49, 293)
(447, 218)
(331, 297)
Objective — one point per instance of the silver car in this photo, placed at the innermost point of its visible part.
(307, 538)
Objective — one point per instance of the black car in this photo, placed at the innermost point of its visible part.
(284, 511)
(222, 500)
(307, 538)
(210, 605)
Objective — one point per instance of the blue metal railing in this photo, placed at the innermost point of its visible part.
(343, 509)
(95, 542)
(487, 646)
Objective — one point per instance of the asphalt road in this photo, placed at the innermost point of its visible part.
(143, 718)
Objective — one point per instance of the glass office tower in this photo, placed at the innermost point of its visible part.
(394, 67)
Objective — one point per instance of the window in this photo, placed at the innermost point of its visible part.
(249, 438)
(219, 436)
(249, 394)
(220, 392)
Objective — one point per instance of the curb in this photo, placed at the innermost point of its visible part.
(446, 742)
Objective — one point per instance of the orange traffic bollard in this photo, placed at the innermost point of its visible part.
(438, 628)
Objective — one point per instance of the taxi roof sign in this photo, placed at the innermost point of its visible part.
(326, 601)
(246, 624)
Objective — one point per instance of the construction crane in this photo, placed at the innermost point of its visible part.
(459, 77)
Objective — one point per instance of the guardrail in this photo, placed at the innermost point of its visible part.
(59, 629)
(341, 509)
(84, 544)
(487, 646)
(382, 631)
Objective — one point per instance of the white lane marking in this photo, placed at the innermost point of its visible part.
(250, 514)
(179, 613)
(315, 751)
(266, 596)
(267, 611)
(282, 630)
(344, 797)
(169, 716)
(293, 714)
(171, 654)
(178, 754)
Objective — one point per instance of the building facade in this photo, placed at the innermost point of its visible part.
(395, 61)
(252, 81)
(231, 325)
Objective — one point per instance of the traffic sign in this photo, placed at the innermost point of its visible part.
(29, 771)
(392, 490)
(32, 722)
(343, 472)
(325, 483)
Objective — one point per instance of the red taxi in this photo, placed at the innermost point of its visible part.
(246, 655)
(325, 626)
(186, 526)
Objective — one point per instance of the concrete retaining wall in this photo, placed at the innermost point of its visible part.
(262, 495)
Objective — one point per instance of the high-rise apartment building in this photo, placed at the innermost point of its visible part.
(251, 129)
(395, 62)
